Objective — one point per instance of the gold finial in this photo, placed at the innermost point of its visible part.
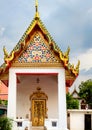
(36, 7)
(5, 52)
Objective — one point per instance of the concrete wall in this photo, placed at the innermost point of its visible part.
(76, 119)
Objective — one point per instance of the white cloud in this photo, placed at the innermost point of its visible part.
(90, 10)
(2, 29)
(78, 81)
(8, 43)
(85, 60)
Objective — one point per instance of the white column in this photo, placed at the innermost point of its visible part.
(12, 95)
(62, 120)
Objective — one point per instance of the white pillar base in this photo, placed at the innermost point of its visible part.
(62, 129)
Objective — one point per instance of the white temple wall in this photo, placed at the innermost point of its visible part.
(53, 85)
(25, 88)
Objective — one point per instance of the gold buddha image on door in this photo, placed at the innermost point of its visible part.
(38, 112)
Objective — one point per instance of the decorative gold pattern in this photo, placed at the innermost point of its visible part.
(36, 7)
(38, 94)
(7, 57)
(37, 51)
(38, 108)
(65, 58)
(76, 69)
(22, 44)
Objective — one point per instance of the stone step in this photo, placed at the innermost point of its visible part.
(38, 128)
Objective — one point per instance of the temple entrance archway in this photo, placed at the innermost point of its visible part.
(38, 107)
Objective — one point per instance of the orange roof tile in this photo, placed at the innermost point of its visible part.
(3, 91)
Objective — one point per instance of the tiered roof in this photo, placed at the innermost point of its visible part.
(37, 33)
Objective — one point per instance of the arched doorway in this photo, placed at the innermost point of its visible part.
(38, 107)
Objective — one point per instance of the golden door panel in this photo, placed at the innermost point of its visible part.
(38, 112)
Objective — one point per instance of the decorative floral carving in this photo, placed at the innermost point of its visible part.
(37, 51)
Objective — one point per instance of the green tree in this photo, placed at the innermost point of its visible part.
(3, 102)
(85, 92)
(0, 101)
(5, 123)
(71, 102)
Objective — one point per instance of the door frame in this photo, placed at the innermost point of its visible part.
(40, 96)
(38, 113)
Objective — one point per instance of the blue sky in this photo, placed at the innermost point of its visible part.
(68, 21)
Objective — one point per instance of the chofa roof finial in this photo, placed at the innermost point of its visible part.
(36, 8)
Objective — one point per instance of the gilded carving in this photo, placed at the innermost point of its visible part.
(51, 57)
(38, 108)
(7, 57)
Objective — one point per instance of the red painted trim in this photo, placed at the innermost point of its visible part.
(36, 73)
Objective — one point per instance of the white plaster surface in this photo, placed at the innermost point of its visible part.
(52, 82)
(77, 119)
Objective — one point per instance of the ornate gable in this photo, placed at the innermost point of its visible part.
(37, 51)
(36, 48)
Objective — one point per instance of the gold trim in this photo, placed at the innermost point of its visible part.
(50, 65)
(36, 8)
(38, 94)
(4, 77)
(57, 63)
(39, 107)
(63, 56)
(67, 75)
(7, 57)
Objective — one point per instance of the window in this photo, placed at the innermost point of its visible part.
(54, 123)
(19, 124)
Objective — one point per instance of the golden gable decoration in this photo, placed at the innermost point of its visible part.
(38, 48)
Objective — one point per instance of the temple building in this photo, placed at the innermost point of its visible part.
(37, 74)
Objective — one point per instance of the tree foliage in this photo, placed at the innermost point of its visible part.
(3, 102)
(5, 123)
(71, 102)
(85, 91)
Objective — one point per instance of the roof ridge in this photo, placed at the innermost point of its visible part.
(23, 37)
(21, 44)
(26, 33)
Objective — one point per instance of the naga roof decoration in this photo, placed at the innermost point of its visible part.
(36, 22)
